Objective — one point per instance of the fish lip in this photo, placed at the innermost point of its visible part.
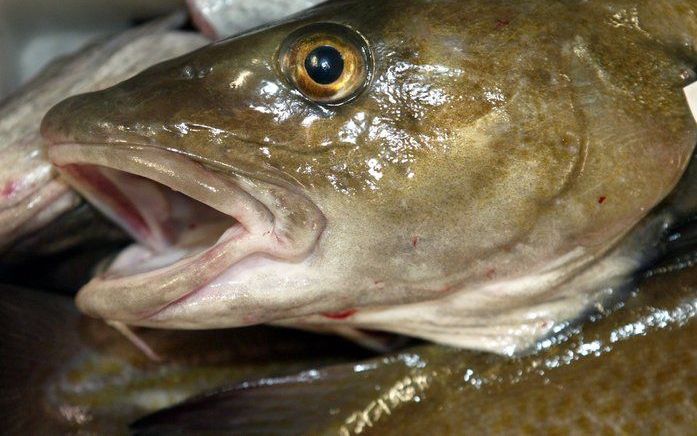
(263, 229)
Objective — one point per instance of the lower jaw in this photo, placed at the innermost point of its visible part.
(149, 294)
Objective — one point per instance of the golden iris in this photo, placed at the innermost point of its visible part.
(328, 63)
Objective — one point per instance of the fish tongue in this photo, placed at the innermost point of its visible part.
(138, 258)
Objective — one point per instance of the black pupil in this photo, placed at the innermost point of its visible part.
(324, 65)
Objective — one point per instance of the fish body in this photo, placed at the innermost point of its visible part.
(473, 173)
(63, 255)
(65, 373)
(629, 371)
(31, 194)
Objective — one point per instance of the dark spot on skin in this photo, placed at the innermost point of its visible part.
(415, 241)
(602, 200)
(341, 315)
(502, 22)
(491, 273)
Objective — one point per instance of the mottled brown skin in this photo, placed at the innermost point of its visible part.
(631, 371)
(495, 139)
(64, 373)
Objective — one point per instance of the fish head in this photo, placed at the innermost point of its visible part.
(459, 146)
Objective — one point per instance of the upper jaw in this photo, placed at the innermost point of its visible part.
(277, 221)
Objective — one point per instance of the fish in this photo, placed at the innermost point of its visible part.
(221, 18)
(32, 196)
(64, 373)
(63, 255)
(630, 370)
(476, 174)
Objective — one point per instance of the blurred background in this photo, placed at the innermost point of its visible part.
(33, 32)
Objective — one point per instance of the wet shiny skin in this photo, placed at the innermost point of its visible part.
(631, 370)
(496, 144)
(634, 371)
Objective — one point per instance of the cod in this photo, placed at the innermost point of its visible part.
(480, 174)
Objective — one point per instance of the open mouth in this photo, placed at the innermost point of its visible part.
(190, 224)
(168, 225)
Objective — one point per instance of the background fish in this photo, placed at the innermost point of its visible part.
(64, 373)
(630, 369)
(37, 31)
(628, 372)
(473, 173)
(63, 255)
(31, 195)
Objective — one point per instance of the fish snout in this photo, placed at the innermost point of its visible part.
(116, 115)
(61, 122)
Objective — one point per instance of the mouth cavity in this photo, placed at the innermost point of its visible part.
(173, 207)
(168, 225)
(190, 223)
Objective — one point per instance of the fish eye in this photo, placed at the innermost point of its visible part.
(328, 63)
